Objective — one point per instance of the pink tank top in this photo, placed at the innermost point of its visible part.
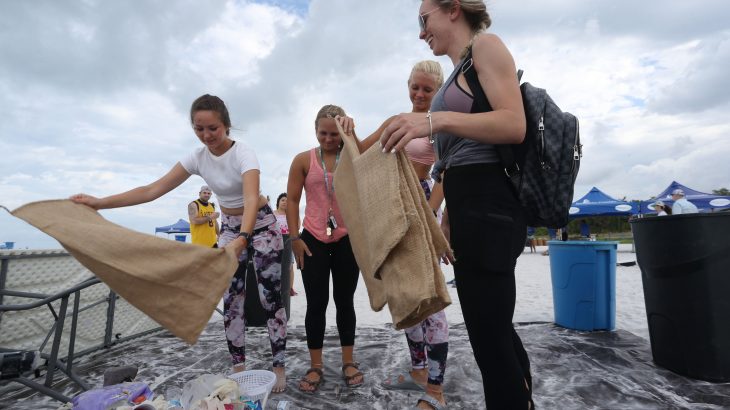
(421, 150)
(281, 219)
(317, 207)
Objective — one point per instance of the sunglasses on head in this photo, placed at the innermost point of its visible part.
(422, 19)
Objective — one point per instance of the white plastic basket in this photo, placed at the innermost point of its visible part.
(255, 384)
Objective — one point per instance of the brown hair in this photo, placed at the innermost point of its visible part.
(209, 102)
(328, 111)
(278, 200)
(475, 12)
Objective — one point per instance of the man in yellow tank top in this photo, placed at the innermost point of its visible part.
(203, 219)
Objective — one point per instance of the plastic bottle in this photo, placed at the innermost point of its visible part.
(287, 405)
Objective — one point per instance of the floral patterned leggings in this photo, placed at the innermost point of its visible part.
(428, 341)
(267, 246)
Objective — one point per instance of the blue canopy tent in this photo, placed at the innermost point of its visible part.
(705, 202)
(181, 226)
(597, 203)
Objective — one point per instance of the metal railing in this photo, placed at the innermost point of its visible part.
(54, 359)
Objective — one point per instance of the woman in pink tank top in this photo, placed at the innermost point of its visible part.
(287, 261)
(425, 80)
(428, 341)
(323, 247)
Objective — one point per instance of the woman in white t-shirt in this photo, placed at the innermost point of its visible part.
(231, 170)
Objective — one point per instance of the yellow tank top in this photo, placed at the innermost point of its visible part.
(204, 234)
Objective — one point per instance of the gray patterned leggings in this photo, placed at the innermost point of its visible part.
(428, 341)
(266, 249)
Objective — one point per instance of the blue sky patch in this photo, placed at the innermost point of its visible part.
(299, 7)
(635, 101)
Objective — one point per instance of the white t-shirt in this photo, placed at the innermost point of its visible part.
(223, 174)
(683, 206)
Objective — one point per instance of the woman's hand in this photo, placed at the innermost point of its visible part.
(299, 248)
(88, 200)
(238, 245)
(448, 257)
(347, 124)
(404, 128)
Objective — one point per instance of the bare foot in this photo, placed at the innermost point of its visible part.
(420, 376)
(239, 367)
(280, 384)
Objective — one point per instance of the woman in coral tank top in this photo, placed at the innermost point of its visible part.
(323, 247)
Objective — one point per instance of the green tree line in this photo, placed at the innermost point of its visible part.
(597, 225)
(608, 224)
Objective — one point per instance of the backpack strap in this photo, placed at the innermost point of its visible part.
(481, 104)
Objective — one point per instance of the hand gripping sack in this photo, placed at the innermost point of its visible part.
(543, 168)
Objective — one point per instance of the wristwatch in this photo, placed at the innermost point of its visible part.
(246, 236)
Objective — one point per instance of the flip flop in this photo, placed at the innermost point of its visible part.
(348, 379)
(314, 384)
(431, 401)
(408, 383)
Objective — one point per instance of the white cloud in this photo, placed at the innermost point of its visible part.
(95, 95)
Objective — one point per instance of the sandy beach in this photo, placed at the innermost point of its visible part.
(534, 295)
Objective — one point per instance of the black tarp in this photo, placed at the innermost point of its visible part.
(571, 370)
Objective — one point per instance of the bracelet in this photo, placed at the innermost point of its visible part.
(430, 127)
(295, 238)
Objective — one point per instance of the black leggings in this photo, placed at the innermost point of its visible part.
(488, 233)
(338, 258)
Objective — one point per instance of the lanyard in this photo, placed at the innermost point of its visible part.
(330, 192)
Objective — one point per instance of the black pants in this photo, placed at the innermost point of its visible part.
(488, 233)
(335, 257)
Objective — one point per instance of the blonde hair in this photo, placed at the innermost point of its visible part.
(475, 12)
(429, 67)
(328, 111)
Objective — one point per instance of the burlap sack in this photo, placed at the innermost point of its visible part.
(178, 285)
(395, 238)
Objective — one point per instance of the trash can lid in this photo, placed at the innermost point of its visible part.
(583, 243)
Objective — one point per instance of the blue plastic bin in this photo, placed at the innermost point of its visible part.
(180, 238)
(584, 284)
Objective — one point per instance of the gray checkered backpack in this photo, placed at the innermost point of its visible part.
(543, 168)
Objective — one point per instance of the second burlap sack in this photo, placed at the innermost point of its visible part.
(396, 240)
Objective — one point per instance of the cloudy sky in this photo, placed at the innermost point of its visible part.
(95, 94)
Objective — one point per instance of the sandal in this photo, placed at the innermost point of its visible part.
(403, 381)
(313, 384)
(348, 379)
(431, 401)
